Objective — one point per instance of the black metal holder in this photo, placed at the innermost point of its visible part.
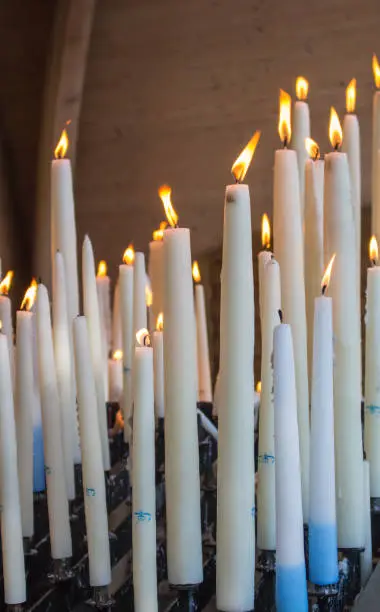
(15, 608)
(61, 572)
(187, 600)
(349, 570)
(29, 551)
(206, 408)
(375, 524)
(100, 599)
(265, 595)
(324, 598)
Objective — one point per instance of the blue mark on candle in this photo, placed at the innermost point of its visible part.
(291, 589)
(38, 460)
(253, 511)
(323, 554)
(90, 492)
(266, 458)
(372, 409)
(126, 370)
(143, 517)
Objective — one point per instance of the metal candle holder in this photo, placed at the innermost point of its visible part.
(100, 598)
(324, 598)
(29, 551)
(375, 524)
(62, 572)
(15, 608)
(187, 597)
(266, 588)
(349, 570)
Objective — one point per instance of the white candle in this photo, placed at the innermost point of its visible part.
(339, 238)
(144, 486)
(139, 301)
(266, 498)
(291, 590)
(351, 146)
(39, 483)
(117, 344)
(301, 130)
(11, 527)
(263, 257)
(92, 461)
(314, 180)
(203, 358)
(288, 240)
(184, 539)
(25, 399)
(6, 316)
(375, 150)
(372, 373)
(63, 227)
(366, 563)
(59, 525)
(235, 567)
(156, 271)
(323, 554)
(115, 376)
(64, 369)
(128, 338)
(91, 310)
(103, 286)
(158, 368)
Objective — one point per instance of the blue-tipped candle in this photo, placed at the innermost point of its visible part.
(291, 589)
(38, 460)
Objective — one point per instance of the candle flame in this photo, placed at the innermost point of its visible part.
(373, 250)
(351, 96)
(241, 165)
(376, 71)
(312, 148)
(258, 387)
(117, 355)
(158, 234)
(148, 295)
(6, 283)
(30, 296)
(327, 275)
(165, 193)
(196, 272)
(335, 129)
(129, 255)
(102, 268)
(62, 146)
(284, 121)
(302, 88)
(143, 337)
(265, 231)
(160, 322)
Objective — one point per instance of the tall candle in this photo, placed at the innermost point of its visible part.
(25, 407)
(184, 540)
(351, 146)
(375, 150)
(117, 344)
(59, 525)
(263, 257)
(39, 483)
(288, 251)
(11, 527)
(64, 369)
(235, 568)
(203, 358)
(92, 461)
(128, 338)
(301, 130)
(144, 486)
(266, 498)
(366, 563)
(6, 316)
(372, 372)
(156, 270)
(91, 310)
(115, 376)
(103, 286)
(291, 590)
(63, 227)
(323, 554)
(158, 368)
(314, 180)
(339, 238)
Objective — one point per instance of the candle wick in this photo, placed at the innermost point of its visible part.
(373, 263)
(324, 289)
(280, 315)
(285, 143)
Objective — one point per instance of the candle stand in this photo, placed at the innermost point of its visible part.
(208, 492)
(100, 598)
(62, 571)
(349, 574)
(375, 524)
(187, 598)
(324, 598)
(265, 595)
(29, 551)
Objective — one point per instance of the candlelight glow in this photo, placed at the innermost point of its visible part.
(6, 283)
(241, 165)
(258, 387)
(62, 146)
(142, 337)
(196, 272)
(302, 88)
(351, 96)
(312, 148)
(335, 129)
(148, 295)
(117, 355)
(158, 234)
(376, 71)
(129, 256)
(160, 322)
(327, 275)
(30, 296)
(284, 122)
(265, 231)
(373, 250)
(165, 193)
(102, 268)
